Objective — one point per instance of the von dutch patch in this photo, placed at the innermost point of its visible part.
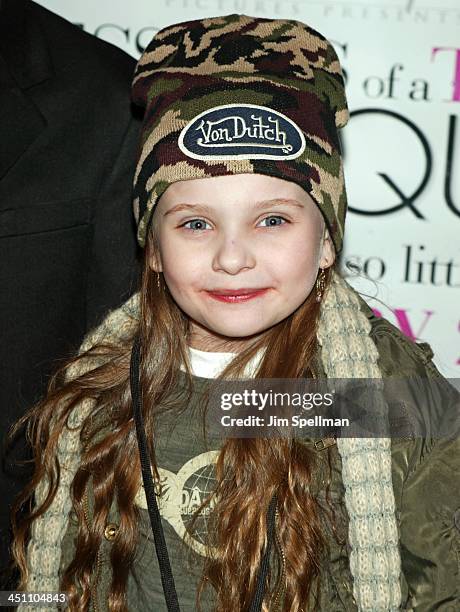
(245, 131)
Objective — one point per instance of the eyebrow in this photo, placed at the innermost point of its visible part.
(256, 206)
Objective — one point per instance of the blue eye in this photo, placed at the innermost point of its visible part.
(201, 221)
(274, 217)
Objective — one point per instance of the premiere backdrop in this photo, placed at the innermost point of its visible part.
(402, 145)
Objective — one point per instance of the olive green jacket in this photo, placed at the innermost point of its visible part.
(426, 479)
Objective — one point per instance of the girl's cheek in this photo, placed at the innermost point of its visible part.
(183, 271)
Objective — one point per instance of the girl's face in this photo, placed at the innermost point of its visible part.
(242, 232)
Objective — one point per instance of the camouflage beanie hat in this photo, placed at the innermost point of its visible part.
(239, 94)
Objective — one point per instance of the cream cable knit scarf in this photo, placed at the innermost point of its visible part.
(347, 352)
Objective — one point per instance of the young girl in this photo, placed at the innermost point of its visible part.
(240, 204)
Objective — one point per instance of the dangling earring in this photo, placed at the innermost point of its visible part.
(158, 281)
(320, 284)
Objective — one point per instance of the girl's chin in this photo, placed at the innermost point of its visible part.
(238, 331)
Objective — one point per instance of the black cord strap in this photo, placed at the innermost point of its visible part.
(167, 579)
(256, 604)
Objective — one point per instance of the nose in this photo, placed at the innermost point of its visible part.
(233, 255)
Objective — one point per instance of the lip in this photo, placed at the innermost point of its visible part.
(240, 291)
(236, 295)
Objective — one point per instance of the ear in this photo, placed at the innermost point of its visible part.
(155, 262)
(153, 250)
(327, 251)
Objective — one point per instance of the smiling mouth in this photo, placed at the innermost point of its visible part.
(236, 295)
(241, 291)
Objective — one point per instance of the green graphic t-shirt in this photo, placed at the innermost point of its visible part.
(186, 466)
(186, 463)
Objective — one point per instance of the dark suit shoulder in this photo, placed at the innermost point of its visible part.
(70, 45)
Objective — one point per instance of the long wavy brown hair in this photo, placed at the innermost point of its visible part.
(248, 471)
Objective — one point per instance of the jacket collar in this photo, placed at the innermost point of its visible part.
(23, 44)
(24, 62)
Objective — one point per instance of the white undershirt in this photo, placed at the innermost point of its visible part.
(209, 364)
